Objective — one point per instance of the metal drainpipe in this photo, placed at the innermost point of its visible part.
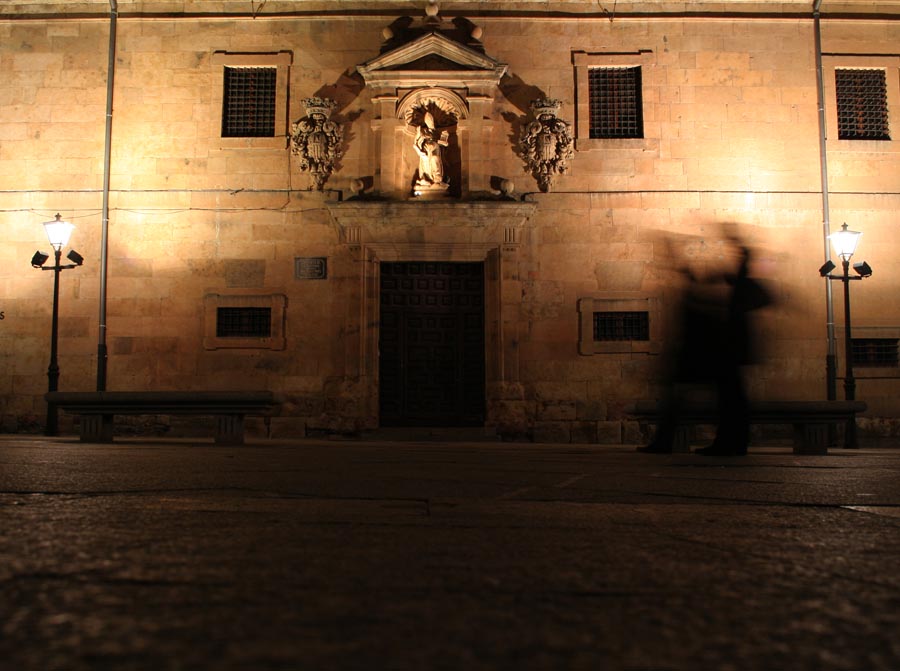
(831, 357)
(104, 231)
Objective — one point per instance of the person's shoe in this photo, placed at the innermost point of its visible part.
(655, 448)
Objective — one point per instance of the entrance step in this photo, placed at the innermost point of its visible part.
(449, 434)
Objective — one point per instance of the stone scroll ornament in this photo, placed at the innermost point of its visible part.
(546, 143)
(316, 140)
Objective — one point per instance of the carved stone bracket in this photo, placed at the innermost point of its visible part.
(316, 141)
(546, 143)
(351, 235)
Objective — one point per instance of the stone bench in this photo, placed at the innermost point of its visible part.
(812, 420)
(98, 408)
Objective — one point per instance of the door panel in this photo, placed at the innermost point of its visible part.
(431, 344)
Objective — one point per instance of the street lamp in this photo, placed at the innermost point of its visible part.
(844, 243)
(58, 233)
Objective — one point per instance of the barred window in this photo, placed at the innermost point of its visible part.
(243, 322)
(862, 104)
(615, 102)
(621, 326)
(249, 100)
(875, 352)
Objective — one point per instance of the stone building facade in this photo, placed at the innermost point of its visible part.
(465, 214)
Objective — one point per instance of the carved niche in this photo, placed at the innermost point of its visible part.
(433, 97)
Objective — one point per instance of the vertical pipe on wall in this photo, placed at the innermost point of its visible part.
(831, 357)
(104, 231)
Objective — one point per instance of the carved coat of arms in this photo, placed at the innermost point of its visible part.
(546, 143)
(316, 140)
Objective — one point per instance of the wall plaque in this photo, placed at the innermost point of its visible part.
(311, 267)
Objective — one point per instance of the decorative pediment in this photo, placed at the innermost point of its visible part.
(432, 59)
(432, 62)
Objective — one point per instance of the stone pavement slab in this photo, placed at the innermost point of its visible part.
(375, 555)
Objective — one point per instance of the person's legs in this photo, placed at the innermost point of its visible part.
(733, 432)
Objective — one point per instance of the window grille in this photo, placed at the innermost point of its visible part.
(249, 102)
(615, 102)
(621, 326)
(243, 322)
(862, 104)
(876, 352)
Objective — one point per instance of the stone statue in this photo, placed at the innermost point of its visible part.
(316, 140)
(546, 143)
(428, 143)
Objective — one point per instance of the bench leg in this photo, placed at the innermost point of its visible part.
(681, 441)
(96, 428)
(230, 430)
(811, 438)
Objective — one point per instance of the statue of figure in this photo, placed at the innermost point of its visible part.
(428, 143)
(546, 143)
(316, 140)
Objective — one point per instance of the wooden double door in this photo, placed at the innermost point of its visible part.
(431, 344)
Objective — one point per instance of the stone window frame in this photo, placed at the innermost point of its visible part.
(281, 61)
(618, 302)
(861, 332)
(277, 303)
(584, 62)
(891, 65)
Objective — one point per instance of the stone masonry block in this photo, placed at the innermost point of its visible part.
(245, 272)
(590, 410)
(634, 434)
(556, 411)
(584, 432)
(552, 432)
(609, 433)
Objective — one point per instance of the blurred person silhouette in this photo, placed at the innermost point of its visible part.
(713, 344)
(687, 356)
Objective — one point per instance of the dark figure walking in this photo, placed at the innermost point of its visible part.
(715, 344)
(735, 351)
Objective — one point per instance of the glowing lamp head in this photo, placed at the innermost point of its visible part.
(58, 232)
(844, 242)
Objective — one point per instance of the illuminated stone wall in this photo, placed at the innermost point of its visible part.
(730, 137)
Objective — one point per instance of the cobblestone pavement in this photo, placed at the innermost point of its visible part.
(364, 555)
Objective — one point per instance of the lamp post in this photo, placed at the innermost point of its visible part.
(58, 233)
(844, 243)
